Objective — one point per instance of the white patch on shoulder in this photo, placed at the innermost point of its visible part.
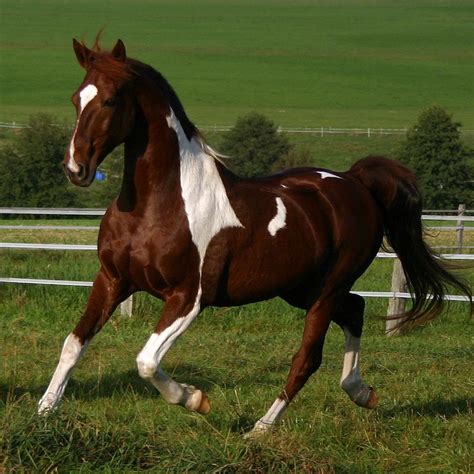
(279, 221)
(86, 95)
(325, 174)
(206, 202)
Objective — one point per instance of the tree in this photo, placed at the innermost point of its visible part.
(434, 151)
(30, 167)
(254, 145)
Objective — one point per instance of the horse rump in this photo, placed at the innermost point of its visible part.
(395, 190)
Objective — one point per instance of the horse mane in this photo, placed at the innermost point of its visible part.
(123, 72)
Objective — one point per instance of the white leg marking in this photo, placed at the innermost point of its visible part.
(86, 95)
(148, 362)
(351, 381)
(279, 221)
(71, 352)
(325, 175)
(266, 422)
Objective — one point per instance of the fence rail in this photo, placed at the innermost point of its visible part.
(70, 211)
(397, 296)
(321, 131)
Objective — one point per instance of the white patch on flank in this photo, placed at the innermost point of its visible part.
(70, 355)
(325, 175)
(351, 381)
(86, 95)
(279, 221)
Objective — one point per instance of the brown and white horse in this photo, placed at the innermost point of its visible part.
(188, 231)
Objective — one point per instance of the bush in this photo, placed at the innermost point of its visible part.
(254, 145)
(434, 151)
(297, 157)
(30, 167)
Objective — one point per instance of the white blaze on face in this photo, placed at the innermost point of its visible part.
(279, 221)
(86, 95)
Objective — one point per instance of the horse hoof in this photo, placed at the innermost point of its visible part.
(373, 400)
(258, 431)
(205, 405)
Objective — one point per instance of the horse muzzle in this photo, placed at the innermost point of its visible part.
(79, 175)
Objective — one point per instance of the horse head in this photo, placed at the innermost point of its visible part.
(104, 108)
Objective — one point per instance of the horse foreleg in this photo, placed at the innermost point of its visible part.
(106, 294)
(305, 362)
(177, 315)
(350, 318)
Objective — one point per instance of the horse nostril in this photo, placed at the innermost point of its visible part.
(82, 173)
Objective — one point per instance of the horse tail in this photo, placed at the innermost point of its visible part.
(394, 189)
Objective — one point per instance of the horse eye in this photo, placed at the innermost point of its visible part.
(110, 103)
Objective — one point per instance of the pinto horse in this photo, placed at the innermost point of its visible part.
(185, 229)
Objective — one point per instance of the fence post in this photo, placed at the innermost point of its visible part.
(396, 305)
(126, 307)
(460, 228)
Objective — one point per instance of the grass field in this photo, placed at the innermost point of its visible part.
(305, 63)
(353, 63)
(111, 421)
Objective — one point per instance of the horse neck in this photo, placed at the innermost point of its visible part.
(163, 165)
(151, 165)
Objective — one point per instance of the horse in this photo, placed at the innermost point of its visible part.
(187, 230)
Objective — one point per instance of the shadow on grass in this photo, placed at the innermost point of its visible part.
(434, 408)
(123, 382)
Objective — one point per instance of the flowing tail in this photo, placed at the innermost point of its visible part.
(394, 189)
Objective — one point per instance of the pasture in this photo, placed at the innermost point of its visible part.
(304, 63)
(111, 420)
(308, 63)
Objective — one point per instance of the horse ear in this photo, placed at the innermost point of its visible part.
(82, 53)
(119, 52)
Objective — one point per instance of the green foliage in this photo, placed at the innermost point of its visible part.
(297, 157)
(434, 151)
(30, 167)
(254, 145)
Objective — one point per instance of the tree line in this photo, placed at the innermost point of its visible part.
(31, 171)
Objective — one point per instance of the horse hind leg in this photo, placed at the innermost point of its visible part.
(350, 318)
(305, 362)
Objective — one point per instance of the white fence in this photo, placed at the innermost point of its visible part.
(319, 131)
(126, 308)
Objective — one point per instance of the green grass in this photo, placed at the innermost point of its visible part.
(345, 63)
(110, 420)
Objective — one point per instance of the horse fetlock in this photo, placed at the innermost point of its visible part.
(146, 368)
(361, 394)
